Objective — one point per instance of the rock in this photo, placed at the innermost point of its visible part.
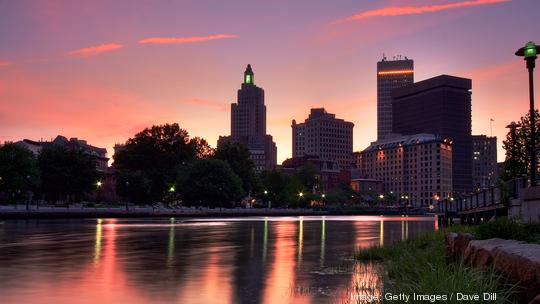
(480, 253)
(536, 300)
(457, 243)
(462, 241)
(450, 244)
(520, 263)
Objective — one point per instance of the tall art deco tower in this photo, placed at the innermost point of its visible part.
(248, 123)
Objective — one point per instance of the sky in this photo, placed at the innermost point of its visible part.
(105, 70)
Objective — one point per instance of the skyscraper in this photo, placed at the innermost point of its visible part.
(325, 136)
(390, 76)
(442, 106)
(248, 123)
(484, 161)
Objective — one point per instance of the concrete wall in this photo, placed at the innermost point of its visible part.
(526, 208)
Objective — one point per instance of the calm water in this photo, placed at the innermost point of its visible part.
(234, 260)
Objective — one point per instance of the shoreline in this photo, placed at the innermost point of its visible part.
(76, 212)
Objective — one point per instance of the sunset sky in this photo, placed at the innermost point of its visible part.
(104, 70)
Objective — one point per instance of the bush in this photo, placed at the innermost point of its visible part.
(505, 228)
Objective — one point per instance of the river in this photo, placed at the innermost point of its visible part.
(195, 260)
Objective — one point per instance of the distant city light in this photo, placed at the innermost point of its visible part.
(99, 183)
(395, 72)
(172, 189)
(300, 194)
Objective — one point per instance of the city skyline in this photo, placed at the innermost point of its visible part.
(105, 71)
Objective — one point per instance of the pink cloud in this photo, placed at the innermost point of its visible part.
(95, 50)
(415, 10)
(4, 63)
(207, 103)
(177, 40)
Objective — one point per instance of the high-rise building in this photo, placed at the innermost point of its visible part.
(391, 74)
(248, 124)
(416, 168)
(484, 161)
(324, 135)
(442, 106)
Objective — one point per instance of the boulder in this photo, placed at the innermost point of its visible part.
(480, 253)
(457, 243)
(521, 264)
(536, 300)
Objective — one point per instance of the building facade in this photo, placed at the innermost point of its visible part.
(329, 176)
(99, 154)
(391, 74)
(324, 135)
(485, 171)
(441, 106)
(417, 167)
(248, 124)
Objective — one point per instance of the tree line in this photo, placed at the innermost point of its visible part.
(160, 164)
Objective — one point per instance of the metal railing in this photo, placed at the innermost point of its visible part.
(483, 198)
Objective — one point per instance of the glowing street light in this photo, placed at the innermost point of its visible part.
(172, 189)
(323, 195)
(381, 196)
(300, 194)
(529, 52)
(99, 184)
(265, 191)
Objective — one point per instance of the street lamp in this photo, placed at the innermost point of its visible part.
(529, 52)
(99, 184)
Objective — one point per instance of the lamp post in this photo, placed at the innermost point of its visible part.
(529, 52)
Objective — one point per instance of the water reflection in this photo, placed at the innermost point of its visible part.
(234, 260)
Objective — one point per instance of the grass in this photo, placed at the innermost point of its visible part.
(420, 266)
(505, 228)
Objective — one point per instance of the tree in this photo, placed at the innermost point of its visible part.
(210, 182)
(202, 148)
(18, 171)
(156, 153)
(134, 186)
(517, 146)
(309, 176)
(238, 158)
(66, 174)
(275, 184)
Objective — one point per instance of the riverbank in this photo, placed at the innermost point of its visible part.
(420, 267)
(145, 212)
(78, 211)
